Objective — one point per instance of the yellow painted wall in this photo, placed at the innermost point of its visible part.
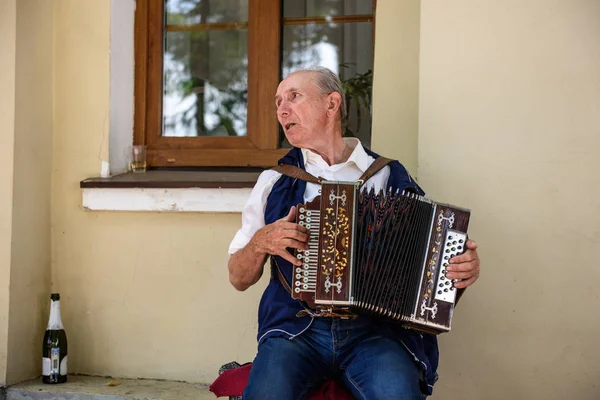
(8, 38)
(396, 81)
(142, 294)
(510, 126)
(30, 260)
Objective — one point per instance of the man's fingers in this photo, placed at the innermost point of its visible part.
(463, 267)
(291, 226)
(296, 235)
(465, 283)
(290, 257)
(294, 244)
(460, 275)
(466, 257)
(471, 245)
(291, 216)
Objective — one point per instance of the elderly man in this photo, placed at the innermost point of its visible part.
(296, 350)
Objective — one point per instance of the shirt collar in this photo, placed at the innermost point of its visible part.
(358, 156)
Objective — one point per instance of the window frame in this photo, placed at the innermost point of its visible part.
(261, 146)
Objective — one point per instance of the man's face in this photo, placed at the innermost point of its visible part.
(301, 109)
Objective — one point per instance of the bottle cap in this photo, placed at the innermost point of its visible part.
(55, 296)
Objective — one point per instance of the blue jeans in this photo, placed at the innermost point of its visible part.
(372, 366)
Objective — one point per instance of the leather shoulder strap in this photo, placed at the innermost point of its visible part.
(276, 272)
(374, 168)
(295, 172)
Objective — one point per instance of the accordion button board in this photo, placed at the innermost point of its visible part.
(306, 277)
(453, 246)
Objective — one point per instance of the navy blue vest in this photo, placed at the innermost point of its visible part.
(277, 313)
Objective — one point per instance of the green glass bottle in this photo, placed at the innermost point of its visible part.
(54, 348)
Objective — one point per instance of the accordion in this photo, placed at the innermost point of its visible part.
(379, 253)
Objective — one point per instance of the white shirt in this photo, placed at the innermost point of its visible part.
(253, 215)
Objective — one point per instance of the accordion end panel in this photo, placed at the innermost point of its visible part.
(324, 280)
(336, 243)
(434, 307)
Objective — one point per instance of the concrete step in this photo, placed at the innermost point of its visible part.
(81, 387)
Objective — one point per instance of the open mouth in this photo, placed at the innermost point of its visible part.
(288, 126)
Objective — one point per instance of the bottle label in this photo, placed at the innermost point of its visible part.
(63, 366)
(46, 366)
(55, 361)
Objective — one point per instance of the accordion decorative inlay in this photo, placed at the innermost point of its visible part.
(380, 253)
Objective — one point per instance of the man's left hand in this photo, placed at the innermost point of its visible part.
(465, 266)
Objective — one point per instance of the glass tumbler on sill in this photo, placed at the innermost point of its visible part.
(138, 159)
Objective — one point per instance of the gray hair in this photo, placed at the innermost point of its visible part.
(329, 82)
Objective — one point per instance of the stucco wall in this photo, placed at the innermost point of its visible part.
(510, 127)
(143, 294)
(396, 81)
(8, 38)
(30, 260)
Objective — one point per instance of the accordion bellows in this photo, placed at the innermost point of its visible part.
(380, 253)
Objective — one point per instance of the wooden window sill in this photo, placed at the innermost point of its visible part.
(208, 190)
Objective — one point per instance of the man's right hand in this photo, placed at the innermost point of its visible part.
(246, 265)
(275, 238)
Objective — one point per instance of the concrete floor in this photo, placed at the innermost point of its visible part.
(79, 387)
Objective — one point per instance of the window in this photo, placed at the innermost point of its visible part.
(206, 72)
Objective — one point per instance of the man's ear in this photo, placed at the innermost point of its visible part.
(334, 102)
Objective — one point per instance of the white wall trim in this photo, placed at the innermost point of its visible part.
(122, 22)
(161, 200)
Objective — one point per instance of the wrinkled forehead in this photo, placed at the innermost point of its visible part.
(303, 81)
